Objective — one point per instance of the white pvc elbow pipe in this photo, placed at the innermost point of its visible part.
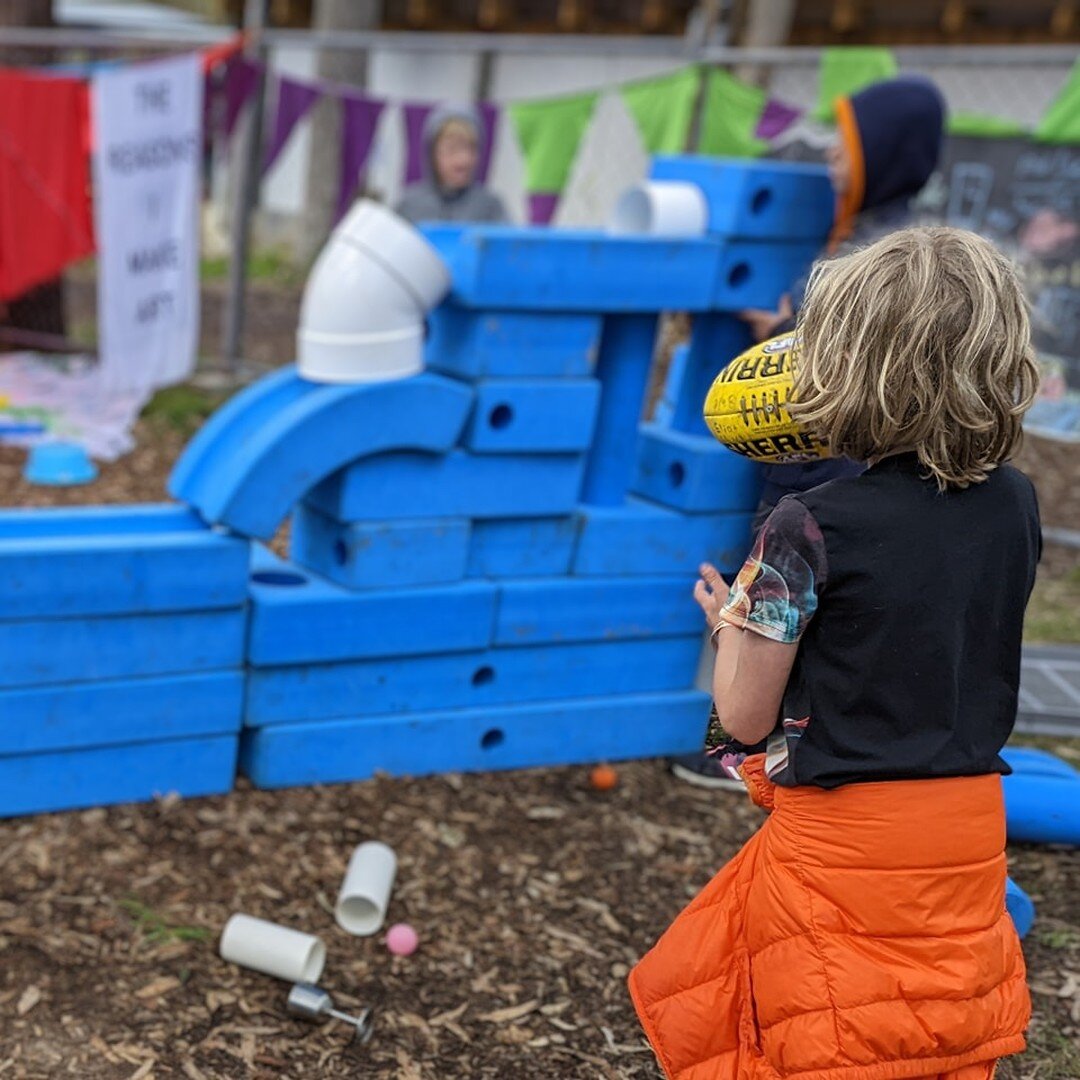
(362, 316)
(672, 208)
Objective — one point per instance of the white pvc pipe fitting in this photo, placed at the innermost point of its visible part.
(274, 950)
(671, 208)
(362, 316)
(365, 892)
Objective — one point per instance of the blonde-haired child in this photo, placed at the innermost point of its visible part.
(873, 637)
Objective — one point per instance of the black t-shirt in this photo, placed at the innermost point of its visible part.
(908, 607)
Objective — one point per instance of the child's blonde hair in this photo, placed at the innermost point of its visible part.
(920, 342)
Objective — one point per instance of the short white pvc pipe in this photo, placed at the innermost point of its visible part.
(365, 892)
(274, 950)
(362, 315)
(672, 208)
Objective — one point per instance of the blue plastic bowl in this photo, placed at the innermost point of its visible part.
(59, 464)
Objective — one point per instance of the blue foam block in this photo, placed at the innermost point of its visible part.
(120, 711)
(474, 344)
(507, 737)
(55, 575)
(644, 538)
(522, 547)
(296, 618)
(69, 779)
(1042, 809)
(380, 554)
(756, 273)
(1032, 762)
(62, 521)
(452, 485)
(299, 693)
(535, 610)
(664, 409)
(260, 453)
(763, 200)
(38, 651)
(716, 340)
(1020, 907)
(693, 473)
(502, 266)
(532, 416)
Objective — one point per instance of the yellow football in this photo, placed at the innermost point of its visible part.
(747, 406)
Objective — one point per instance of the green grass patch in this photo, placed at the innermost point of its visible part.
(184, 407)
(273, 266)
(1053, 613)
(155, 929)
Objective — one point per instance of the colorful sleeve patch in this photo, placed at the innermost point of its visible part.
(776, 592)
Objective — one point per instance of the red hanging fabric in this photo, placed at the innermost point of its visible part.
(46, 219)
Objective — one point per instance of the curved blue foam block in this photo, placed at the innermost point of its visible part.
(1033, 762)
(1042, 809)
(259, 455)
(1020, 907)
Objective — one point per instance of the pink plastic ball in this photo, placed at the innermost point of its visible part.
(402, 939)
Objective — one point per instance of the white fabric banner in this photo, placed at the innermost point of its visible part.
(148, 132)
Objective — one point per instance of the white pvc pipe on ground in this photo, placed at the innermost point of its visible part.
(365, 892)
(672, 208)
(274, 950)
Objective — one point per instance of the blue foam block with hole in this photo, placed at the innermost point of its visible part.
(36, 651)
(523, 269)
(694, 473)
(645, 538)
(1042, 809)
(518, 344)
(504, 737)
(82, 569)
(262, 451)
(1020, 906)
(380, 554)
(457, 484)
(120, 711)
(99, 776)
(756, 274)
(297, 618)
(757, 200)
(299, 693)
(522, 547)
(536, 610)
(532, 416)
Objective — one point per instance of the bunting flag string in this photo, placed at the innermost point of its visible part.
(359, 121)
(294, 102)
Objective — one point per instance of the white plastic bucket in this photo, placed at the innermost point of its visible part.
(274, 950)
(671, 208)
(365, 891)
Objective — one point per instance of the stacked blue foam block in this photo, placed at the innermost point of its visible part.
(121, 656)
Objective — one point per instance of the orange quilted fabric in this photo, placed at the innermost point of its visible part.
(861, 934)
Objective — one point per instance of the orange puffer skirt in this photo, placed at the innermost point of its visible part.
(861, 934)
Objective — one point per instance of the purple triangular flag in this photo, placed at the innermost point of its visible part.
(241, 78)
(415, 152)
(489, 117)
(775, 119)
(294, 99)
(542, 206)
(359, 118)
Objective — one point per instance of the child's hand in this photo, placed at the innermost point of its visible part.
(711, 593)
(763, 323)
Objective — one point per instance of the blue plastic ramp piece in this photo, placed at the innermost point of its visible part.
(262, 452)
(36, 651)
(113, 712)
(380, 554)
(501, 266)
(299, 693)
(457, 484)
(522, 547)
(1042, 809)
(536, 610)
(694, 473)
(757, 200)
(1020, 906)
(100, 574)
(532, 416)
(298, 619)
(716, 340)
(63, 521)
(505, 737)
(69, 779)
(645, 538)
(1029, 761)
(517, 344)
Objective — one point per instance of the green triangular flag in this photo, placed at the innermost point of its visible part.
(730, 116)
(845, 71)
(662, 109)
(982, 126)
(550, 132)
(1061, 122)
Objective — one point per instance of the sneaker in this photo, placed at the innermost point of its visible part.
(717, 768)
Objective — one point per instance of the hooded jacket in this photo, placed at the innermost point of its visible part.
(427, 200)
(892, 132)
